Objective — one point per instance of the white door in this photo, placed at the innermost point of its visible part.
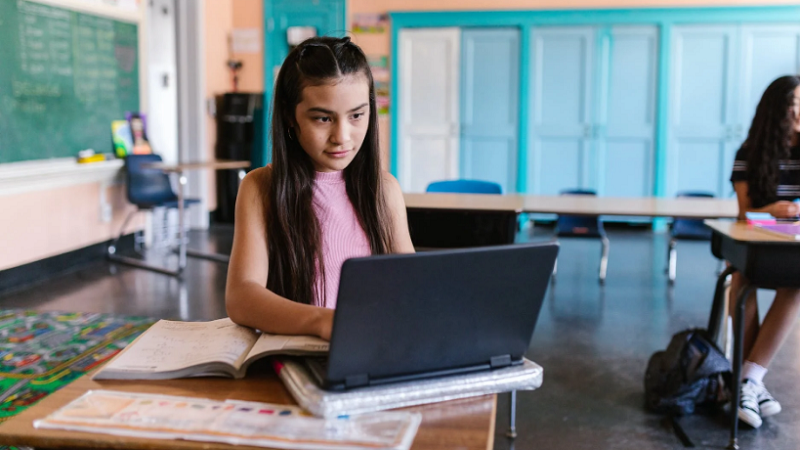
(561, 119)
(702, 89)
(429, 112)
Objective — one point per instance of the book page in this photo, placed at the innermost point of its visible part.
(170, 345)
(283, 344)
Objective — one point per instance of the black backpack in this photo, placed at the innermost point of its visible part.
(692, 372)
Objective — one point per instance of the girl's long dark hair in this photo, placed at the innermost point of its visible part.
(769, 140)
(293, 232)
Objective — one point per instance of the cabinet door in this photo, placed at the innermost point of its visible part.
(626, 116)
(561, 108)
(768, 52)
(701, 95)
(489, 105)
(429, 115)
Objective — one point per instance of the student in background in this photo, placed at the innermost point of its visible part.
(323, 199)
(766, 177)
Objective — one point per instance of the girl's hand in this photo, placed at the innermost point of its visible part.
(784, 209)
(325, 324)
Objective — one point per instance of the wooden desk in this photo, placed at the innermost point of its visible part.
(462, 424)
(698, 208)
(179, 169)
(766, 261)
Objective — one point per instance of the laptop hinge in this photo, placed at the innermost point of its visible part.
(500, 361)
(354, 381)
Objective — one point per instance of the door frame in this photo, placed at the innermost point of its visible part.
(664, 18)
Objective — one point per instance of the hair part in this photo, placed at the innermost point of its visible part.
(293, 230)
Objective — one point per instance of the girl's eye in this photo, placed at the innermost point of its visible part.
(357, 116)
(322, 119)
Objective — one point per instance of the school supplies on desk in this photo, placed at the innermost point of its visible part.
(308, 393)
(233, 422)
(785, 230)
(220, 348)
(754, 218)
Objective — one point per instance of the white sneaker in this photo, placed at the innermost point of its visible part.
(749, 412)
(768, 405)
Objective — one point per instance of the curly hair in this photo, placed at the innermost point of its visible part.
(769, 140)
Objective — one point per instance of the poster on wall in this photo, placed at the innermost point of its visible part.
(370, 23)
(380, 73)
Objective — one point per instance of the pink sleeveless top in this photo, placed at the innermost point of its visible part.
(342, 235)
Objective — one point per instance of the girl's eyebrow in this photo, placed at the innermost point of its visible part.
(326, 111)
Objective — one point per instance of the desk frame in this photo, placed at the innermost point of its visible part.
(765, 261)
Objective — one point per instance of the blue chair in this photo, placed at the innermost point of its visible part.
(146, 188)
(690, 229)
(583, 227)
(465, 187)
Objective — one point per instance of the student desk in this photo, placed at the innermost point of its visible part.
(179, 170)
(462, 424)
(767, 261)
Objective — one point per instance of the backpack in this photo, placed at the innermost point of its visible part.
(692, 372)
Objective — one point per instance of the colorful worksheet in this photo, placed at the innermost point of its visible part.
(231, 421)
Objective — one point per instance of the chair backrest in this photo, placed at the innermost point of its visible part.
(147, 187)
(691, 228)
(465, 187)
(568, 225)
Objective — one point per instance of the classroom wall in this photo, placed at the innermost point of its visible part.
(46, 223)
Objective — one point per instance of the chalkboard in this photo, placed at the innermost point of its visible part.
(64, 76)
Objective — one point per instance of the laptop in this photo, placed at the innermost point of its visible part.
(414, 316)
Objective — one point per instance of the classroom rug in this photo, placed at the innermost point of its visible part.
(40, 352)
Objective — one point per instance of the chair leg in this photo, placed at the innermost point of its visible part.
(512, 418)
(112, 247)
(604, 259)
(672, 263)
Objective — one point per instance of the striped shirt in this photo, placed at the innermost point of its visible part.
(788, 178)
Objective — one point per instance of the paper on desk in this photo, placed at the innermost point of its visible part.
(233, 422)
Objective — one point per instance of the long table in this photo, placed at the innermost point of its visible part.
(696, 208)
(459, 424)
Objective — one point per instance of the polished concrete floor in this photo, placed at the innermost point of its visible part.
(593, 341)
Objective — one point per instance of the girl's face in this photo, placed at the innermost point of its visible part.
(795, 110)
(332, 121)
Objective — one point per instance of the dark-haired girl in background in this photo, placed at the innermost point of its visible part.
(766, 177)
(323, 199)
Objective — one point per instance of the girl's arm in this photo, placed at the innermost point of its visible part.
(247, 300)
(397, 208)
(780, 210)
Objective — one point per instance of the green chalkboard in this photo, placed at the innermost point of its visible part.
(64, 76)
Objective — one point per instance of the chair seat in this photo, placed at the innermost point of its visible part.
(690, 229)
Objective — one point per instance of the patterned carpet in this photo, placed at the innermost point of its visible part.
(40, 352)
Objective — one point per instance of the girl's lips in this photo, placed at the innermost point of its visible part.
(341, 154)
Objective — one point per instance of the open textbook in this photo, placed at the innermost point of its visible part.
(171, 349)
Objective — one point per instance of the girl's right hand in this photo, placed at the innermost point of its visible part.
(784, 209)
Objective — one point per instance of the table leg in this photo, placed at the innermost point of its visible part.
(512, 418)
(718, 305)
(181, 230)
(738, 351)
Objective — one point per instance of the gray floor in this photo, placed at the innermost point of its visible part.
(592, 341)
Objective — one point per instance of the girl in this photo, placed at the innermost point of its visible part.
(323, 199)
(766, 178)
